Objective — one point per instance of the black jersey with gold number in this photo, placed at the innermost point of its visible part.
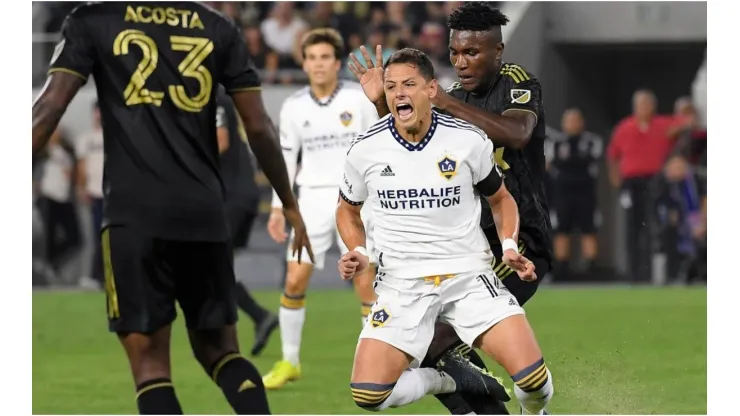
(156, 67)
(515, 89)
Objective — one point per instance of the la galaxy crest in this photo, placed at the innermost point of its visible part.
(379, 318)
(346, 118)
(447, 167)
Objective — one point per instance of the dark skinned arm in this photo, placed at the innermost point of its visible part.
(50, 105)
(263, 140)
(513, 129)
(382, 107)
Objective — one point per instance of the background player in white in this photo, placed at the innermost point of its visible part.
(320, 121)
(434, 260)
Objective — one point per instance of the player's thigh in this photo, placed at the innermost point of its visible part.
(587, 213)
(240, 226)
(140, 291)
(566, 217)
(205, 283)
(511, 343)
(403, 315)
(318, 215)
(472, 303)
(378, 362)
(524, 290)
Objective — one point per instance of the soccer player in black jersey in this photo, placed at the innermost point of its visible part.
(505, 101)
(242, 205)
(156, 68)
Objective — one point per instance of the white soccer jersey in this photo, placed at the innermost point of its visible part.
(322, 131)
(425, 208)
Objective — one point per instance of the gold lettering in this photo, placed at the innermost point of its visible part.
(158, 15)
(185, 15)
(195, 22)
(140, 11)
(131, 15)
(172, 19)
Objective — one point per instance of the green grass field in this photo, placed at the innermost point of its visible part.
(611, 351)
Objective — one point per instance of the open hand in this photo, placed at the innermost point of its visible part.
(369, 75)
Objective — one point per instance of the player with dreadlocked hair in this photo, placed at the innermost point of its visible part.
(505, 101)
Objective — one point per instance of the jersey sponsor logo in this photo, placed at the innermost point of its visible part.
(520, 96)
(387, 171)
(447, 167)
(380, 317)
(419, 198)
(346, 118)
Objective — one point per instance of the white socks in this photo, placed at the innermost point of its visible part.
(417, 383)
(533, 403)
(291, 329)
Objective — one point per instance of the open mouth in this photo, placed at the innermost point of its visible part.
(465, 79)
(405, 111)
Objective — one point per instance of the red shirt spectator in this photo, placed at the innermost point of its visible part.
(640, 143)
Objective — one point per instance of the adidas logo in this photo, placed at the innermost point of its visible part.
(307, 124)
(512, 302)
(387, 171)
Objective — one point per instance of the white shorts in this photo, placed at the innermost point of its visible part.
(407, 309)
(318, 207)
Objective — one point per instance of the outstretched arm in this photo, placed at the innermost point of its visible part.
(50, 105)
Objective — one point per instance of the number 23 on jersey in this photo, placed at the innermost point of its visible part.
(191, 66)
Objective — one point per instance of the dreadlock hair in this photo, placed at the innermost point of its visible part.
(476, 16)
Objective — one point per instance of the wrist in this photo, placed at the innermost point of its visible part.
(362, 250)
(509, 244)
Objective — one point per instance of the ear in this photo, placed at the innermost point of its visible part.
(500, 50)
(304, 65)
(337, 65)
(433, 88)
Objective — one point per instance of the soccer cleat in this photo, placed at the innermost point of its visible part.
(281, 374)
(263, 330)
(470, 378)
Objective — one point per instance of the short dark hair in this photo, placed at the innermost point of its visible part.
(413, 57)
(324, 35)
(478, 16)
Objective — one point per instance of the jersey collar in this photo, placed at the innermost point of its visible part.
(413, 147)
(328, 100)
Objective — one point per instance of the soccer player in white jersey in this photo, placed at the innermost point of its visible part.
(426, 172)
(320, 121)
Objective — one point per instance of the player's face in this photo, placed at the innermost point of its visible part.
(409, 95)
(573, 123)
(476, 57)
(321, 64)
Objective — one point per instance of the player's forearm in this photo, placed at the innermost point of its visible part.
(505, 216)
(350, 226)
(264, 145)
(46, 116)
(291, 164)
(503, 130)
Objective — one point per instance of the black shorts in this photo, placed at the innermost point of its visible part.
(574, 212)
(522, 291)
(145, 276)
(240, 225)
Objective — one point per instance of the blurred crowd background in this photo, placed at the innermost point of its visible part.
(624, 86)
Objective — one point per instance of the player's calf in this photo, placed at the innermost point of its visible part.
(293, 310)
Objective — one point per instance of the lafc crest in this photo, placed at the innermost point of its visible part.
(520, 96)
(346, 118)
(447, 167)
(379, 318)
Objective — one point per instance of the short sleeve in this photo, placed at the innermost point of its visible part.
(221, 116)
(487, 175)
(75, 53)
(82, 146)
(614, 149)
(352, 188)
(239, 73)
(524, 95)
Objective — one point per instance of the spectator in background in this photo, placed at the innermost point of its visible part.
(637, 151)
(572, 162)
(56, 202)
(281, 31)
(262, 56)
(376, 37)
(681, 218)
(690, 136)
(90, 155)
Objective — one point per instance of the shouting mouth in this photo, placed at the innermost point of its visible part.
(405, 111)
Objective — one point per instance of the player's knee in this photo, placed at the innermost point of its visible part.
(371, 396)
(533, 387)
(295, 283)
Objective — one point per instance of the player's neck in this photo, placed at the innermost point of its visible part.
(416, 136)
(322, 91)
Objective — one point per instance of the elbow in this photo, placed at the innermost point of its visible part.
(521, 138)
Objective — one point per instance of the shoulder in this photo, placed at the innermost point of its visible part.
(296, 98)
(352, 91)
(514, 75)
(375, 131)
(461, 127)
(455, 90)
(351, 87)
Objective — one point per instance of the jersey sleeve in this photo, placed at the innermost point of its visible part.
(239, 73)
(290, 143)
(75, 53)
(352, 188)
(487, 175)
(524, 93)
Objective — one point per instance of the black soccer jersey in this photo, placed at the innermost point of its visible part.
(156, 67)
(237, 168)
(524, 170)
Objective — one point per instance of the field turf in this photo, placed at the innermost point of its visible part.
(611, 351)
